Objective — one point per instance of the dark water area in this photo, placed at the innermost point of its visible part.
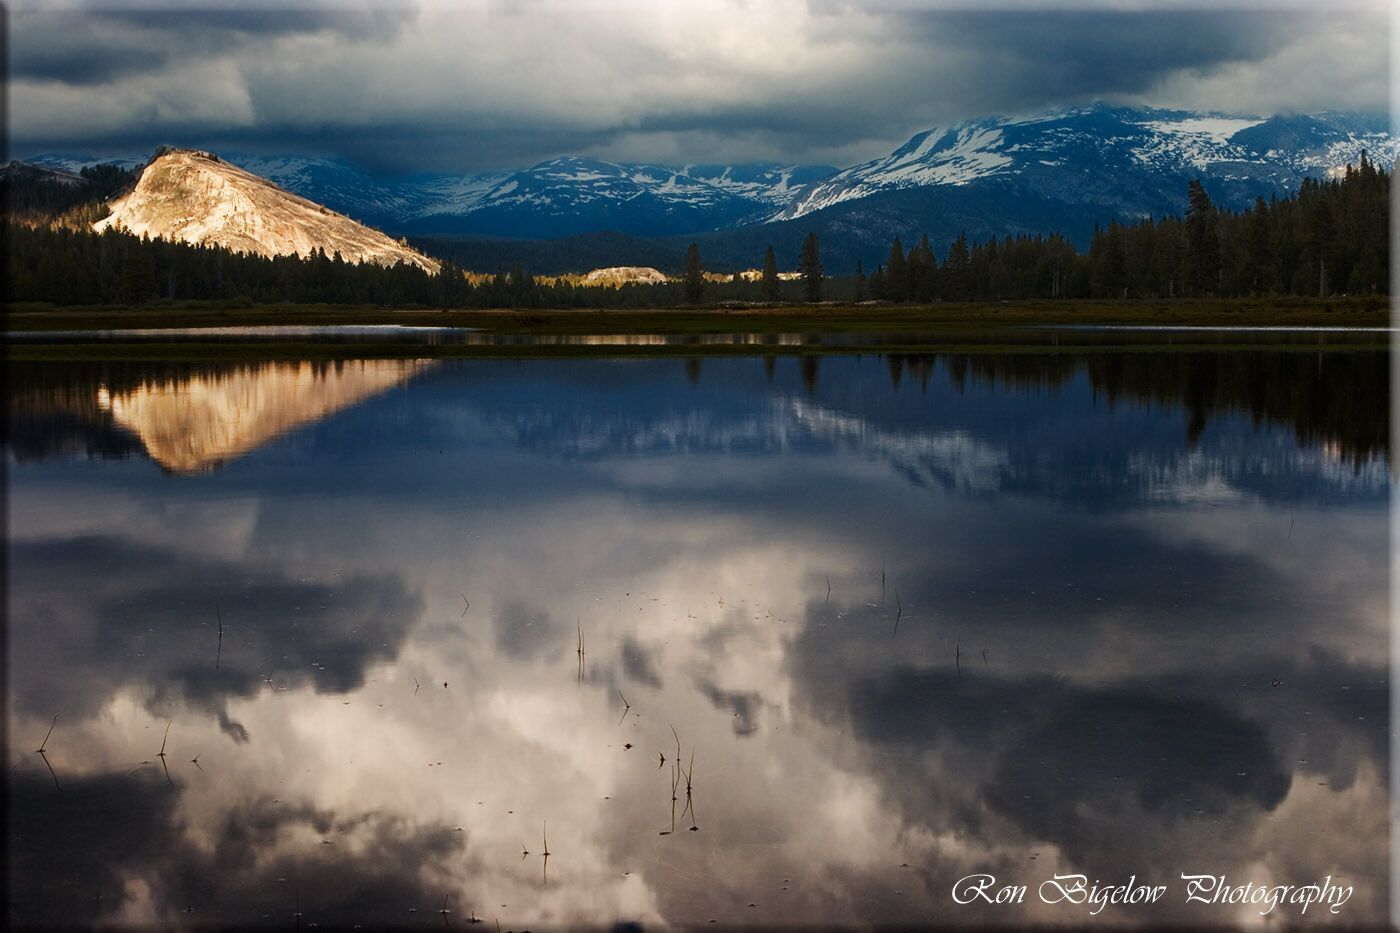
(758, 640)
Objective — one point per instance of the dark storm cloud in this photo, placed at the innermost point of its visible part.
(638, 663)
(1113, 716)
(999, 61)
(1073, 53)
(100, 45)
(491, 86)
(1178, 758)
(73, 853)
(743, 706)
(526, 633)
(99, 614)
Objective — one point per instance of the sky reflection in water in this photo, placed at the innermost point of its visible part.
(1113, 613)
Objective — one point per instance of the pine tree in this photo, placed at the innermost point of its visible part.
(923, 274)
(809, 264)
(1202, 241)
(1257, 249)
(897, 274)
(860, 289)
(771, 290)
(138, 282)
(693, 275)
(1321, 231)
(879, 285)
(955, 269)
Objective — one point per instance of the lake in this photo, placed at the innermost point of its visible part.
(755, 640)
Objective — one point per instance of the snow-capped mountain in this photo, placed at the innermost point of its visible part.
(75, 162)
(554, 198)
(50, 173)
(577, 195)
(336, 183)
(1141, 157)
(196, 197)
(770, 183)
(1063, 171)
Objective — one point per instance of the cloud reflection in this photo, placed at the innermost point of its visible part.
(1167, 684)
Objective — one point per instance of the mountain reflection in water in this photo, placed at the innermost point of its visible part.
(910, 618)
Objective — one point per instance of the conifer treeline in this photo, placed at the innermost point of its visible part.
(65, 266)
(77, 267)
(1332, 237)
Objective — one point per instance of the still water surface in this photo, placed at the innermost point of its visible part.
(401, 626)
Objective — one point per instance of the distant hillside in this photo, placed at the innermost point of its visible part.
(1067, 170)
(194, 197)
(36, 194)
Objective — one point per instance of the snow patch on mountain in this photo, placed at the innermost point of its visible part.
(46, 172)
(1058, 152)
(945, 156)
(1099, 159)
(76, 162)
(1219, 129)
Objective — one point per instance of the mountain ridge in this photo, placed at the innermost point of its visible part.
(1063, 170)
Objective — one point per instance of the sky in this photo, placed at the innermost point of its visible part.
(412, 87)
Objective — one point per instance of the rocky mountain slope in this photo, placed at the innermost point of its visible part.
(1131, 161)
(1063, 171)
(557, 197)
(575, 195)
(196, 197)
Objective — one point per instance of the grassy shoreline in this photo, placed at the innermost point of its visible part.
(1242, 311)
(1019, 326)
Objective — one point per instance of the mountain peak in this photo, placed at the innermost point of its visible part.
(1050, 153)
(193, 196)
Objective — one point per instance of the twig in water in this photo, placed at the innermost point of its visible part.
(957, 656)
(467, 606)
(689, 799)
(546, 852)
(161, 754)
(416, 686)
(51, 771)
(444, 910)
(45, 744)
(899, 611)
(626, 708)
(984, 658)
(675, 785)
(828, 587)
(581, 651)
(195, 761)
(219, 652)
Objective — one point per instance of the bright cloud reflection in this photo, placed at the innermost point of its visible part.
(1026, 661)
